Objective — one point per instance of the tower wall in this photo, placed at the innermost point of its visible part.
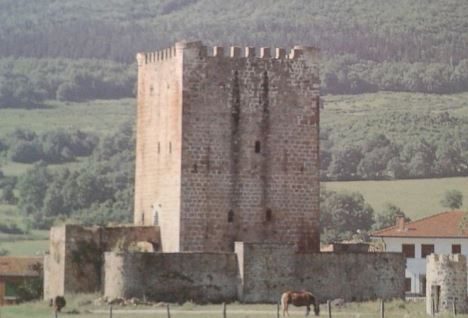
(244, 161)
(250, 145)
(159, 144)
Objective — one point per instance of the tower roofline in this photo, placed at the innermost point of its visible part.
(297, 52)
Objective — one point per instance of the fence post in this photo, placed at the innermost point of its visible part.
(382, 308)
(56, 313)
(110, 311)
(224, 310)
(454, 307)
(329, 309)
(278, 309)
(168, 311)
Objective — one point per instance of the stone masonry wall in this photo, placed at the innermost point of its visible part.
(159, 144)
(76, 255)
(244, 160)
(446, 282)
(256, 273)
(250, 132)
(267, 270)
(174, 277)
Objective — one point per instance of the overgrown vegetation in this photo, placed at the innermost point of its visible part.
(56, 146)
(385, 143)
(98, 192)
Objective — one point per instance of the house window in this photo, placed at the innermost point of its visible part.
(170, 147)
(268, 215)
(257, 147)
(426, 249)
(456, 249)
(230, 216)
(408, 250)
(408, 284)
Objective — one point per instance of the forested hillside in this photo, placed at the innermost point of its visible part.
(367, 45)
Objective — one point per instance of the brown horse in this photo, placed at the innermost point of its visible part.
(301, 298)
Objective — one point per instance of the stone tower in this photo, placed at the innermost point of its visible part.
(227, 147)
(446, 283)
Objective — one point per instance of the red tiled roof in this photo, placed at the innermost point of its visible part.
(445, 224)
(20, 266)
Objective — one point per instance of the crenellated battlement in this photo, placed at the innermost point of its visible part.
(297, 52)
(157, 56)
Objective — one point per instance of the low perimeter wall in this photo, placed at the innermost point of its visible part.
(267, 270)
(255, 273)
(172, 277)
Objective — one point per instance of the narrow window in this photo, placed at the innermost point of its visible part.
(143, 218)
(268, 215)
(426, 249)
(456, 249)
(194, 168)
(230, 216)
(408, 250)
(170, 147)
(408, 284)
(159, 147)
(257, 147)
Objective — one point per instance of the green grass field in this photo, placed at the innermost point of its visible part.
(99, 116)
(417, 198)
(82, 307)
(359, 105)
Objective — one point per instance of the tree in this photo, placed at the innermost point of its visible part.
(7, 195)
(388, 216)
(453, 199)
(344, 214)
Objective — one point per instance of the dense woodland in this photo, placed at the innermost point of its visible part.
(367, 45)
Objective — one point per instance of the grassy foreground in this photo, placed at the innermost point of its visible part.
(417, 198)
(82, 306)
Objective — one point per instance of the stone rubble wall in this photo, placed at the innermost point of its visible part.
(450, 273)
(75, 260)
(171, 277)
(256, 273)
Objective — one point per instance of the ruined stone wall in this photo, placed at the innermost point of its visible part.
(173, 277)
(159, 143)
(446, 282)
(75, 262)
(250, 146)
(267, 270)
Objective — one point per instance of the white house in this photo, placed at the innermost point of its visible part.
(443, 233)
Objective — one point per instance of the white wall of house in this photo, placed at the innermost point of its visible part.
(416, 267)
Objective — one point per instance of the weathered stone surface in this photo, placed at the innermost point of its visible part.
(267, 270)
(446, 282)
(172, 277)
(218, 134)
(75, 262)
(255, 273)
